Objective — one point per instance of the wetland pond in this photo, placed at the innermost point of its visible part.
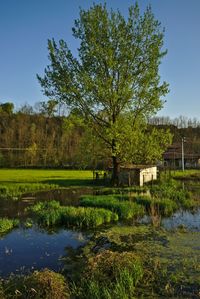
(24, 250)
(27, 249)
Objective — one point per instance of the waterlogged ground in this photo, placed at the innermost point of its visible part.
(170, 253)
(27, 249)
(181, 219)
(171, 259)
(17, 208)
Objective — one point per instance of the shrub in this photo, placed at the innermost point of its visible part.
(124, 209)
(45, 284)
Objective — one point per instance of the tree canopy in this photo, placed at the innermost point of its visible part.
(114, 81)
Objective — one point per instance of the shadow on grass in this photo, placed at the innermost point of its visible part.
(75, 182)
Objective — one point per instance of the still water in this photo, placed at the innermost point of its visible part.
(181, 219)
(25, 250)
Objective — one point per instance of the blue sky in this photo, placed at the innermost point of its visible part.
(25, 26)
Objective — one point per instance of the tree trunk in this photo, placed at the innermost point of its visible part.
(115, 174)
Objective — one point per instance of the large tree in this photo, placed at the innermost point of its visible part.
(115, 79)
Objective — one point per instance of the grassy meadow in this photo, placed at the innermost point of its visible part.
(14, 182)
(59, 177)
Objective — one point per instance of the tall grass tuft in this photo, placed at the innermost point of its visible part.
(16, 190)
(51, 213)
(164, 207)
(7, 224)
(172, 190)
(125, 190)
(111, 275)
(124, 209)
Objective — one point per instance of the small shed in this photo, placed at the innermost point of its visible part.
(137, 174)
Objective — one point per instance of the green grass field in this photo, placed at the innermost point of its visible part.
(14, 182)
(43, 176)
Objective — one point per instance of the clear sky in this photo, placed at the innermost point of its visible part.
(25, 26)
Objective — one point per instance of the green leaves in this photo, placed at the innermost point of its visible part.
(116, 74)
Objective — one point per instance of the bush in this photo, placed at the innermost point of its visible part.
(124, 209)
(45, 284)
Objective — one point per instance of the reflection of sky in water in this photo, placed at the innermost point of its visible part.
(187, 219)
(190, 220)
(30, 249)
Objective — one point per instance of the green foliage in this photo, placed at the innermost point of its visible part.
(115, 82)
(45, 284)
(111, 275)
(16, 190)
(172, 190)
(126, 190)
(7, 224)
(164, 206)
(48, 108)
(7, 108)
(51, 213)
(124, 209)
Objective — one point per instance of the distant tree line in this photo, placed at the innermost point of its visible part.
(38, 136)
(180, 127)
(46, 135)
(179, 122)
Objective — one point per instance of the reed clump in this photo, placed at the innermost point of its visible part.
(124, 209)
(164, 207)
(51, 213)
(111, 275)
(14, 191)
(7, 224)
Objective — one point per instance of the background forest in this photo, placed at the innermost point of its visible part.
(47, 136)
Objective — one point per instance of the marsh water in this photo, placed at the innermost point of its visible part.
(24, 250)
(12, 208)
(181, 219)
(27, 249)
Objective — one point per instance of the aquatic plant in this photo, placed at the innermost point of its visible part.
(125, 190)
(164, 207)
(51, 213)
(172, 190)
(87, 217)
(124, 209)
(111, 275)
(14, 191)
(7, 224)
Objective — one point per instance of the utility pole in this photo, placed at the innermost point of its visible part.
(183, 140)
